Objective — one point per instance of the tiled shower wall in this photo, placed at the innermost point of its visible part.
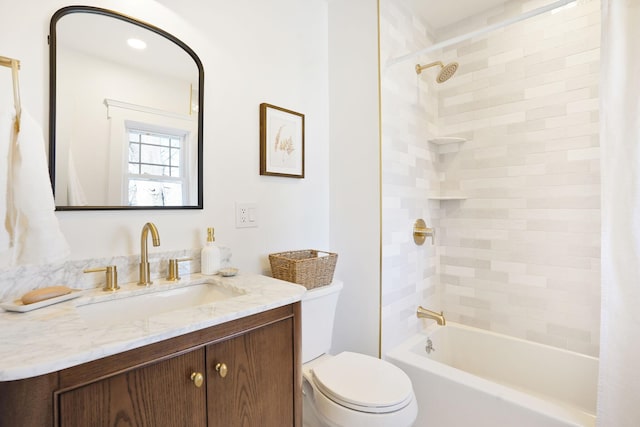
(409, 172)
(520, 255)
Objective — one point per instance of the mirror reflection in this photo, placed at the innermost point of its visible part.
(126, 114)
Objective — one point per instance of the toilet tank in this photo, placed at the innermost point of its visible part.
(318, 314)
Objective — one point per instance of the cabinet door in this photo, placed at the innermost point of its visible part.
(258, 389)
(160, 394)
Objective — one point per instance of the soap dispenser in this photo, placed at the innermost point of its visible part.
(210, 255)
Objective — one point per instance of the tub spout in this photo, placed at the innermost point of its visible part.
(423, 313)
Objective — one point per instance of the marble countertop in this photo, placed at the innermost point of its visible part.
(58, 336)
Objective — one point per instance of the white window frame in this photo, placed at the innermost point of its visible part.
(138, 127)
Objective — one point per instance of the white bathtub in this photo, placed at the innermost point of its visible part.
(476, 378)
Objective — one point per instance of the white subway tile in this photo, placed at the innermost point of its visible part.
(584, 154)
(509, 56)
(509, 267)
(545, 90)
(458, 271)
(547, 111)
(460, 290)
(528, 280)
(592, 55)
(583, 105)
(573, 119)
(537, 169)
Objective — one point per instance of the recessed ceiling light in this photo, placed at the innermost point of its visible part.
(137, 44)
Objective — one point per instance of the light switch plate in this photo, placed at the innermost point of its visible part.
(246, 215)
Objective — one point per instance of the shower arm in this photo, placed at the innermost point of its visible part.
(419, 67)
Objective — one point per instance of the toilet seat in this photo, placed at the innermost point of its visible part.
(363, 383)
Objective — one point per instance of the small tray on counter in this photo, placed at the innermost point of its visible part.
(228, 271)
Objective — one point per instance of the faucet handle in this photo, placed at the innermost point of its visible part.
(421, 232)
(112, 276)
(174, 275)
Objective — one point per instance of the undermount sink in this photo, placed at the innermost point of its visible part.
(154, 302)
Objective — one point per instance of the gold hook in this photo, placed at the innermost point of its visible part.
(14, 64)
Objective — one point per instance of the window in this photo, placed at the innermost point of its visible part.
(156, 168)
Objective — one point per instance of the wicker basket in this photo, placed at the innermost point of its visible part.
(309, 268)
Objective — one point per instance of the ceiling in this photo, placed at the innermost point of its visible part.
(440, 13)
(105, 37)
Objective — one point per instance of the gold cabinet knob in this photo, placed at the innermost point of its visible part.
(197, 379)
(222, 369)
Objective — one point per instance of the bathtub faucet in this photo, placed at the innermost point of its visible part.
(423, 313)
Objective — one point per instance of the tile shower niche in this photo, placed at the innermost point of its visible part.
(446, 145)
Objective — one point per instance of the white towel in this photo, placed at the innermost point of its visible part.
(37, 235)
(75, 192)
(6, 125)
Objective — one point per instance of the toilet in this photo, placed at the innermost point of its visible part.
(347, 389)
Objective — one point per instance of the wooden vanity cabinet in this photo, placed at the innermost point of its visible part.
(251, 376)
(160, 394)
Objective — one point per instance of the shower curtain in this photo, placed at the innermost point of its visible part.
(619, 381)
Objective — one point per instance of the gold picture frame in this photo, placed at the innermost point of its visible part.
(281, 142)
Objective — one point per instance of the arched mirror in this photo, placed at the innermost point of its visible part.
(125, 114)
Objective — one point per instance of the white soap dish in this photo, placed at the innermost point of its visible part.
(18, 306)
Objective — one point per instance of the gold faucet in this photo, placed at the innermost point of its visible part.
(145, 279)
(423, 313)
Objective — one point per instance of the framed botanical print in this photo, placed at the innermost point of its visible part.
(281, 142)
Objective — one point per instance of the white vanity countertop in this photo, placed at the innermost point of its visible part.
(56, 337)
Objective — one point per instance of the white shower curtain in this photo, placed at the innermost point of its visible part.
(619, 382)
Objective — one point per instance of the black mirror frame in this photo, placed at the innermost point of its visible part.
(52, 103)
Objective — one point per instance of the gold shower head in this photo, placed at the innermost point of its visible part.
(446, 71)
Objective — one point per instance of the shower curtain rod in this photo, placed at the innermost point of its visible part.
(481, 31)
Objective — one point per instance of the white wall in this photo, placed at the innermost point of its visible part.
(355, 176)
(253, 52)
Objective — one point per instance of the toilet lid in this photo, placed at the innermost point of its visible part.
(363, 383)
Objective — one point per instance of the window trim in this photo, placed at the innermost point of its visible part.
(147, 128)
